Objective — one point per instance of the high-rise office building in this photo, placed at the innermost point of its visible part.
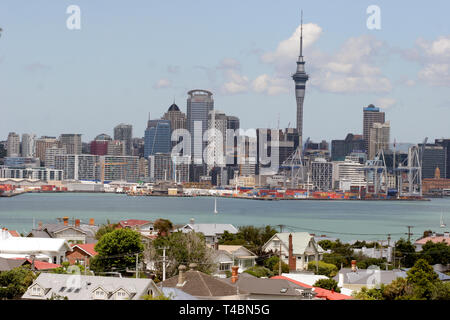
(379, 135)
(99, 146)
(300, 78)
(217, 128)
(124, 132)
(446, 144)
(78, 166)
(322, 174)
(116, 148)
(371, 115)
(176, 117)
(28, 145)
(42, 144)
(157, 137)
(50, 155)
(72, 143)
(434, 156)
(13, 145)
(342, 148)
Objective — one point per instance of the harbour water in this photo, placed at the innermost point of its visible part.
(347, 220)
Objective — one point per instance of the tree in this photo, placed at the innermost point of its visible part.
(399, 289)
(15, 282)
(117, 251)
(183, 248)
(106, 228)
(405, 253)
(323, 268)
(369, 294)
(163, 226)
(251, 237)
(423, 278)
(329, 284)
(436, 253)
(325, 244)
(259, 271)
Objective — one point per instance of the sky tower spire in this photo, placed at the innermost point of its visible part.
(301, 35)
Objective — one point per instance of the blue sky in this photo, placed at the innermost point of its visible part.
(132, 58)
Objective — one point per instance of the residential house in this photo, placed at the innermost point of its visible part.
(82, 287)
(269, 289)
(202, 286)
(7, 234)
(435, 238)
(9, 264)
(81, 253)
(320, 292)
(73, 233)
(228, 255)
(43, 249)
(212, 231)
(306, 277)
(296, 249)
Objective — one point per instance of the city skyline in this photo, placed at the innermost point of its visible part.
(258, 100)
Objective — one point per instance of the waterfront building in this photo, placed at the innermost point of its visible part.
(322, 174)
(13, 145)
(124, 132)
(342, 148)
(379, 136)
(33, 173)
(348, 173)
(143, 168)
(123, 168)
(23, 162)
(50, 154)
(313, 150)
(446, 144)
(371, 115)
(42, 144)
(176, 117)
(138, 147)
(165, 167)
(78, 166)
(157, 137)
(71, 142)
(28, 145)
(434, 156)
(116, 148)
(300, 78)
(99, 146)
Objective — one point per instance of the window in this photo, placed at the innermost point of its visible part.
(225, 266)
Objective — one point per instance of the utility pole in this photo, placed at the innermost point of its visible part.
(279, 262)
(281, 227)
(137, 262)
(164, 262)
(389, 248)
(409, 232)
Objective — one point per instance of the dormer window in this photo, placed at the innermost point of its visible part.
(36, 291)
(121, 295)
(99, 294)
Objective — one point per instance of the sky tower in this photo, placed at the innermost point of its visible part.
(300, 77)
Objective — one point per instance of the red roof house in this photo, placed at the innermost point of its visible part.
(81, 253)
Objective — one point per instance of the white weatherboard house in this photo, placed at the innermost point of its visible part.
(211, 231)
(81, 287)
(228, 255)
(44, 249)
(304, 248)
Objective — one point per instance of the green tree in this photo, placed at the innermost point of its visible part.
(163, 226)
(117, 251)
(436, 253)
(369, 294)
(405, 253)
(259, 271)
(423, 278)
(329, 284)
(399, 289)
(325, 244)
(15, 282)
(323, 268)
(105, 228)
(284, 268)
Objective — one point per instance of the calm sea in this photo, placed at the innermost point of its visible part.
(347, 220)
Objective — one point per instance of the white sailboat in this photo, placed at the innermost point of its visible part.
(215, 205)
(443, 225)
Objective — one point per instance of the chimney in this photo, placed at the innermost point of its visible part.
(40, 224)
(292, 262)
(216, 246)
(354, 265)
(234, 274)
(341, 280)
(91, 221)
(181, 275)
(193, 266)
(192, 221)
(66, 221)
(77, 223)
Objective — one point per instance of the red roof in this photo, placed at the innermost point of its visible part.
(321, 293)
(87, 247)
(435, 239)
(41, 265)
(14, 233)
(132, 223)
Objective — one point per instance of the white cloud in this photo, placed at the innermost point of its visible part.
(271, 86)
(235, 82)
(385, 103)
(162, 84)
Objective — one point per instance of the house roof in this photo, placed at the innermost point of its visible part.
(14, 233)
(434, 239)
(321, 293)
(210, 229)
(305, 278)
(41, 265)
(442, 276)
(232, 249)
(30, 245)
(133, 223)
(177, 294)
(87, 247)
(368, 276)
(264, 286)
(57, 284)
(9, 264)
(200, 284)
(300, 241)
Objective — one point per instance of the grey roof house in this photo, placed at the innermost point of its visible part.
(74, 233)
(211, 231)
(81, 287)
